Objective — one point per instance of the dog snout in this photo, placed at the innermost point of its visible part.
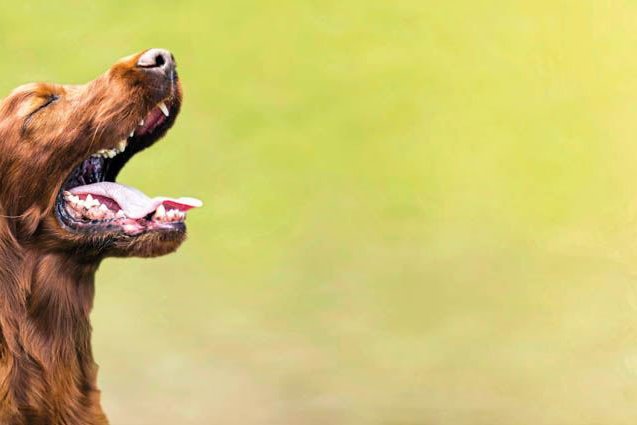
(157, 60)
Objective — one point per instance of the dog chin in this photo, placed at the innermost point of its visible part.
(151, 244)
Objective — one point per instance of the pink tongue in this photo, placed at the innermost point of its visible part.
(133, 202)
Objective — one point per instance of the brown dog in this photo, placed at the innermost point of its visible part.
(61, 148)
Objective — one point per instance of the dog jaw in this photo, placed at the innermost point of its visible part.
(48, 130)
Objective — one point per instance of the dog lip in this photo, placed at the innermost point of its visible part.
(148, 129)
(132, 229)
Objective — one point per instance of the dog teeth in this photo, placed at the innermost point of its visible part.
(132, 133)
(93, 209)
(90, 202)
(141, 123)
(174, 215)
(164, 108)
(168, 216)
(96, 214)
(111, 153)
(90, 208)
(160, 213)
(72, 199)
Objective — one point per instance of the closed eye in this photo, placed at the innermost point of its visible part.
(49, 100)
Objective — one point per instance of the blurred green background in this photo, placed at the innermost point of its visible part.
(416, 212)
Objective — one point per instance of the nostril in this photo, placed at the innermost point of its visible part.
(159, 60)
(155, 58)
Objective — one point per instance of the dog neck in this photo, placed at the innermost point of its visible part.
(47, 372)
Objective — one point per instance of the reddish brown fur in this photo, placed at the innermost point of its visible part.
(47, 372)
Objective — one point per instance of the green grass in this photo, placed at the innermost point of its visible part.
(416, 212)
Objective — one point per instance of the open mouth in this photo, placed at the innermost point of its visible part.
(91, 201)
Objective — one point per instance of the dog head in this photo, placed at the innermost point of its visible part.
(62, 147)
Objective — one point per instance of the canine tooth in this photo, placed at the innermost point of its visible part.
(160, 212)
(132, 133)
(163, 108)
(141, 123)
(103, 207)
(120, 214)
(122, 145)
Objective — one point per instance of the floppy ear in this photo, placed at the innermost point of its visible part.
(12, 295)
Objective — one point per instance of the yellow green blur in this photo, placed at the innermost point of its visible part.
(417, 212)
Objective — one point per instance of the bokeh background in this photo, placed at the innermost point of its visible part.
(417, 212)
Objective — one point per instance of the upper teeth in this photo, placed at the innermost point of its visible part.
(110, 153)
(121, 146)
(164, 108)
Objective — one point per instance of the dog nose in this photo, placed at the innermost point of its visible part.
(159, 59)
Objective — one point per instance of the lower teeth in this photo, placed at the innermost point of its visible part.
(92, 209)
